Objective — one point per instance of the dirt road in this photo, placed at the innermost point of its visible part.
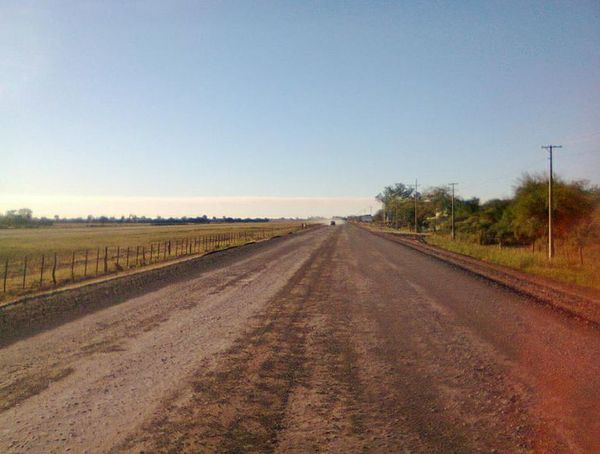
(334, 340)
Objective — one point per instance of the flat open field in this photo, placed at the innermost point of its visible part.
(15, 243)
(331, 340)
(85, 251)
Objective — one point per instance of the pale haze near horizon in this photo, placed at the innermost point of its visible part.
(286, 108)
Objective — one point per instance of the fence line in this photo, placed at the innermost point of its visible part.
(20, 276)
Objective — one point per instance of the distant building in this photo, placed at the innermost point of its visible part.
(365, 218)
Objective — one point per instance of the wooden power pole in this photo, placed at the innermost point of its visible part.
(550, 148)
(416, 221)
(452, 221)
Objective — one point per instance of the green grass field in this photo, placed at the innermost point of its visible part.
(86, 251)
(564, 267)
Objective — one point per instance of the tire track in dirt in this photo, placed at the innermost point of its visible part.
(90, 383)
(239, 405)
(25, 382)
(355, 344)
(373, 387)
(351, 356)
(458, 363)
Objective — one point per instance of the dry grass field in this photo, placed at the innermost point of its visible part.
(34, 259)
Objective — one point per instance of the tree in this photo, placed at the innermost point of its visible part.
(25, 213)
(574, 202)
(530, 208)
(391, 197)
(436, 210)
(587, 232)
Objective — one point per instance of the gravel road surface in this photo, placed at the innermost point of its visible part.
(333, 340)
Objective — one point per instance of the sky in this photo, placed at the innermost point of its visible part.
(283, 108)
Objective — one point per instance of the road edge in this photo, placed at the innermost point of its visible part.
(36, 313)
(579, 306)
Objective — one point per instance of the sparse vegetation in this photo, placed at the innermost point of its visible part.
(564, 267)
(510, 232)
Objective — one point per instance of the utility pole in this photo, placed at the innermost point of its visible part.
(416, 222)
(550, 148)
(453, 233)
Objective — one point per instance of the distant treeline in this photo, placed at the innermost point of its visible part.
(24, 218)
(520, 220)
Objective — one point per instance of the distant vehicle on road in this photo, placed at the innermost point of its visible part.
(332, 223)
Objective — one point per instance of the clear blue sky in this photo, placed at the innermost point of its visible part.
(291, 99)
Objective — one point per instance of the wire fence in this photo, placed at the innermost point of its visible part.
(32, 273)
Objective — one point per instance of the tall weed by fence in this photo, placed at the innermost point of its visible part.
(32, 273)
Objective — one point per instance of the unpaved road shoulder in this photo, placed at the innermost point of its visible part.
(87, 383)
(338, 340)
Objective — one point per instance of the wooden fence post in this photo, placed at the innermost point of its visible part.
(54, 270)
(73, 266)
(85, 265)
(151, 251)
(97, 259)
(106, 259)
(143, 255)
(127, 259)
(24, 270)
(42, 271)
(5, 273)
(118, 255)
